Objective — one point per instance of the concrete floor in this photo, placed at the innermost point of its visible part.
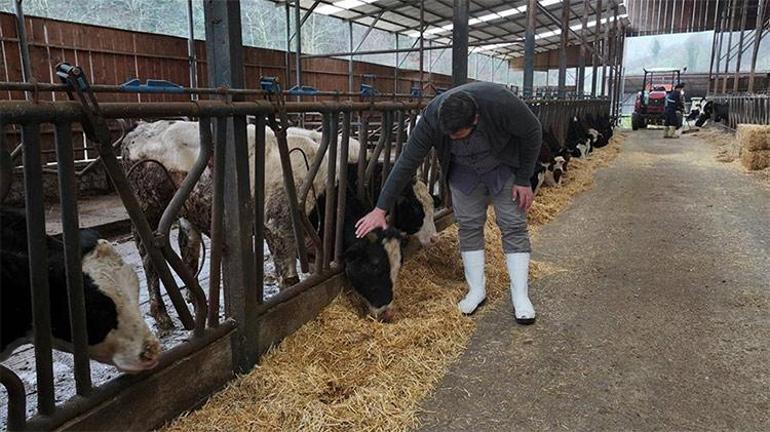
(658, 320)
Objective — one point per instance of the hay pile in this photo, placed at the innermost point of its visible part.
(755, 145)
(342, 372)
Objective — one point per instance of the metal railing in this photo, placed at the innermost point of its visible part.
(222, 140)
(750, 108)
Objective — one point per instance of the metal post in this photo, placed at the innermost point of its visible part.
(395, 69)
(422, 44)
(191, 49)
(460, 43)
(350, 58)
(731, 29)
(26, 67)
(605, 56)
(529, 50)
(740, 47)
(581, 78)
(595, 64)
(565, 10)
(718, 58)
(225, 68)
(287, 7)
(714, 40)
(298, 32)
(758, 28)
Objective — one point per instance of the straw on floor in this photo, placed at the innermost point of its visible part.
(346, 373)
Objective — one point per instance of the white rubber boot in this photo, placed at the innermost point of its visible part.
(518, 271)
(473, 263)
(666, 131)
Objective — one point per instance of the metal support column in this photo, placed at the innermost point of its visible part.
(596, 42)
(758, 29)
(581, 78)
(287, 6)
(718, 59)
(565, 10)
(460, 43)
(744, 17)
(731, 29)
(395, 69)
(422, 45)
(298, 42)
(224, 50)
(350, 58)
(191, 57)
(21, 28)
(605, 56)
(529, 50)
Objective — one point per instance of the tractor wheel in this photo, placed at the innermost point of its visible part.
(634, 121)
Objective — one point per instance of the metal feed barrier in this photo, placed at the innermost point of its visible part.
(752, 109)
(237, 225)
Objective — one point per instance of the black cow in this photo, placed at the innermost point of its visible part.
(117, 333)
(717, 110)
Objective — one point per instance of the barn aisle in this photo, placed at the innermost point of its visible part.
(656, 320)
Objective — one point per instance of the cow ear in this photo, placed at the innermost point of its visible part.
(103, 248)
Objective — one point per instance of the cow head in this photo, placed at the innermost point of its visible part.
(372, 265)
(414, 213)
(118, 334)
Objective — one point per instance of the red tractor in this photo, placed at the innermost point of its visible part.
(651, 100)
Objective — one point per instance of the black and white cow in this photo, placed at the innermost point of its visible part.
(712, 110)
(117, 333)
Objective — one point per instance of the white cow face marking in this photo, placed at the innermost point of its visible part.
(131, 347)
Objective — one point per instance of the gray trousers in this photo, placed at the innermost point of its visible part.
(471, 214)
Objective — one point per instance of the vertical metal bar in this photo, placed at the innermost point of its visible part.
(287, 56)
(69, 214)
(331, 121)
(718, 57)
(665, 28)
(217, 209)
(565, 11)
(460, 43)
(38, 268)
(225, 64)
(21, 28)
(713, 54)
(758, 27)
(342, 188)
(731, 27)
(422, 45)
(740, 46)
(298, 33)
(363, 138)
(595, 64)
(350, 57)
(529, 49)
(581, 80)
(395, 69)
(259, 207)
(191, 57)
(605, 55)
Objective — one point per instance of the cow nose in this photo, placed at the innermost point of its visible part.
(388, 315)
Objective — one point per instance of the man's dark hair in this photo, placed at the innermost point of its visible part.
(457, 111)
(679, 86)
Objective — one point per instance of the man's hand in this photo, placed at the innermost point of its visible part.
(523, 196)
(375, 219)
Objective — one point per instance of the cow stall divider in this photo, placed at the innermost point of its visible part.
(210, 356)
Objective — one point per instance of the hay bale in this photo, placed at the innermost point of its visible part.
(755, 160)
(342, 372)
(753, 137)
